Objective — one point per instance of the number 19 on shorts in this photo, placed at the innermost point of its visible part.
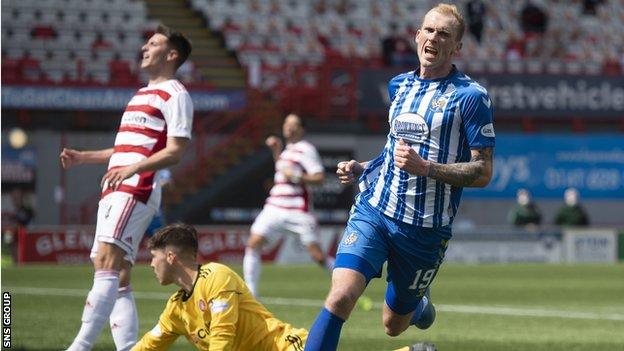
(423, 279)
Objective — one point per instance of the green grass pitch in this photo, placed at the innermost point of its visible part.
(480, 307)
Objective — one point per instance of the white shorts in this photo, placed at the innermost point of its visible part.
(273, 222)
(122, 220)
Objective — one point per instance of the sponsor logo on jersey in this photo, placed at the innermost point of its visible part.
(488, 130)
(410, 127)
(133, 118)
(218, 306)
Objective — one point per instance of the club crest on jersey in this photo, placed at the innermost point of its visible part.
(488, 130)
(410, 127)
(438, 104)
(350, 239)
(202, 305)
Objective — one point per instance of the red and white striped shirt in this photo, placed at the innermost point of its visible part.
(302, 158)
(155, 113)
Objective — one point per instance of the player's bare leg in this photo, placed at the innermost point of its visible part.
(395, 323)
(124, 319)
(317, 255)
(101, 298)
(252, 262)
(422, 317)
(347, 286)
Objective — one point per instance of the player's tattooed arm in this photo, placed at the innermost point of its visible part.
(475, 173)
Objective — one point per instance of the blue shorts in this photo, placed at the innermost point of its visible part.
(413, 253)
(154, 225)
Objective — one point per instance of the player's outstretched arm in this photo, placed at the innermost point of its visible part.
(299, 177)
(71, 157)
(275, 144)
(168, 156)
(165, 333)
(349, 171)
(157, 339)
(315, 178)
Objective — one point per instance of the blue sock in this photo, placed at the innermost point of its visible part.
(325, 332)
(419, 310)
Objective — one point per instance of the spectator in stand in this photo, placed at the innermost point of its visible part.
(476, 15)
(571, 213)
(533, 19)
(525, 212)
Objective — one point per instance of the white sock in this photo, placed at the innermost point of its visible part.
(98, 307)
(124, 320)
(252, 265)
(329, 263)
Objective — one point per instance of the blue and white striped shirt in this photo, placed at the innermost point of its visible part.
(442, 119)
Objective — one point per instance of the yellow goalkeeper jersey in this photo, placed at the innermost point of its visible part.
(221, 314)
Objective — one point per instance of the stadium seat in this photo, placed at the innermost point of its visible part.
(314, 32)
(40, 28)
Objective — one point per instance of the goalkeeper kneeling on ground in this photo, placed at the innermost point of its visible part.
(213, 309)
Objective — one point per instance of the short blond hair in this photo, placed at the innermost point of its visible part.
(448, 9)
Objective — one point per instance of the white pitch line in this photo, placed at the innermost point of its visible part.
(282, 301)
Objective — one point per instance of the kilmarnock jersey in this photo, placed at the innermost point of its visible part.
(221, 314)
(442, 119)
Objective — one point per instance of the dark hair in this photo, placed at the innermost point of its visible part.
(178, 42)
(302, 121)
(178, 235)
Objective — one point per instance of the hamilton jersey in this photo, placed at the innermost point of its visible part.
(156, 112)
(220, 314)
(300, 158)
(441, 119)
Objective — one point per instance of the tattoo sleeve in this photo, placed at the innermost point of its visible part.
(475, 173)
